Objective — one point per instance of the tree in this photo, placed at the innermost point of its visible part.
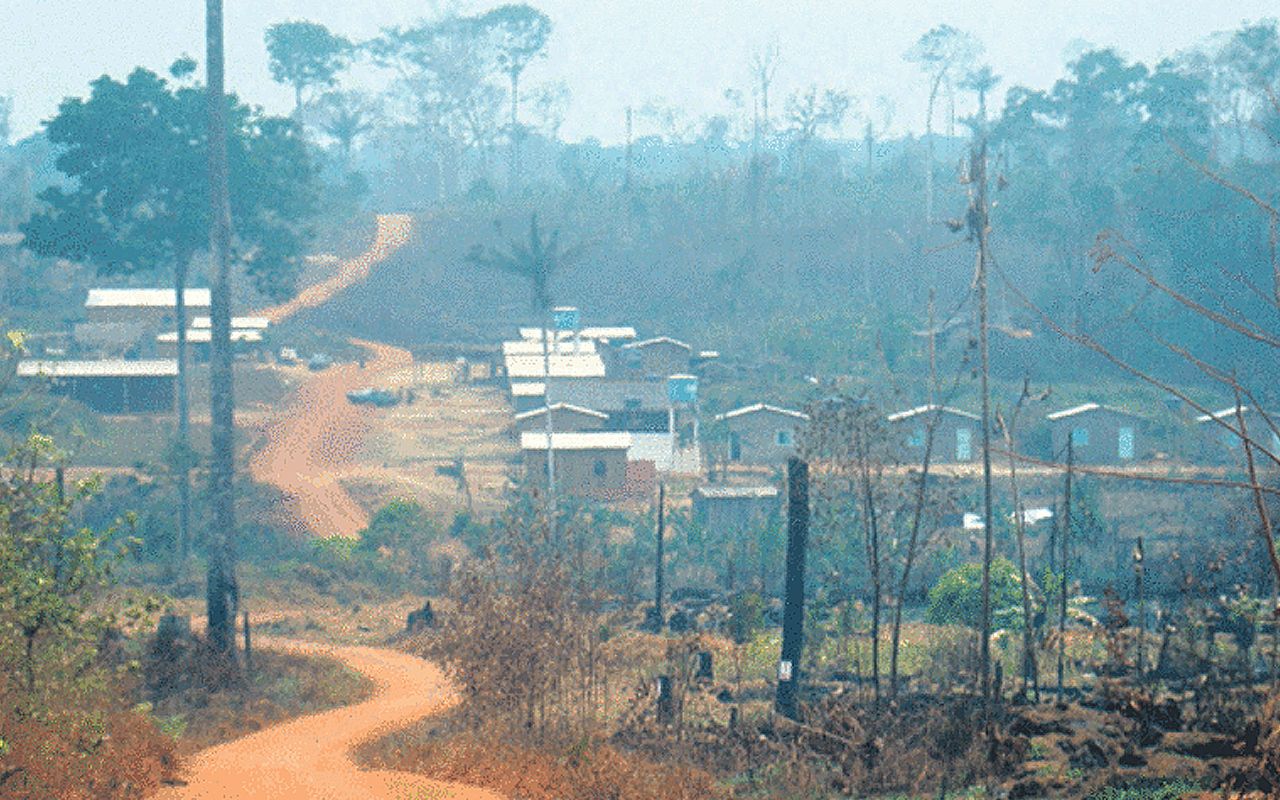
(443, 83)
(808, 110)
(946, 55)
(346, 116)
(518, 35)
(136, 153)
(305, 54)
(763, 63)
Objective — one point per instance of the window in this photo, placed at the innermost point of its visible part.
(964, 444)
(916, 440)
(1080, 437)
(600, 469)
(630, 404)
(785, 438)
(1125, 444)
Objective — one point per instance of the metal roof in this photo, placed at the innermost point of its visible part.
(537, 412)
(577, 440)
(660, 340)
(256, 323)
(151, 298)
(1086, 408)
(601, 332)
(528, 389)
(736, 492)
(525, 347)
(738, 412)
(204, 336)
(582, 365)
(114, 368)
(928, 409)
(1230, 413)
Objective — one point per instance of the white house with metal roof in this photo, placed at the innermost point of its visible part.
(957, 434)
(110, 387)
(761, 433)
(1099, 434)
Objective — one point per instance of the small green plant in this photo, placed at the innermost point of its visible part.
(956, 599)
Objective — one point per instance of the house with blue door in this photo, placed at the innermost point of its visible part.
(957, 437)
(1099, 434)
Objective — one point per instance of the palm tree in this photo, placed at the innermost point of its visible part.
(537, 260)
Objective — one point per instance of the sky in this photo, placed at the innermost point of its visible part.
(618, 53)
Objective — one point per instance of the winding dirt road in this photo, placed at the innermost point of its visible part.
(309, 758)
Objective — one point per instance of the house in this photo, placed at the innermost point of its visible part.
(761, 433)
(590, 464)
(534, 367)
(109, 387)
(564, 418)
(1219, 435)
(632, 405)
(110, 340)
(957, 438)
(730, 510)
(1099, 434)
(655, 358)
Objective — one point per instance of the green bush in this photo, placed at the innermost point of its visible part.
(956, 599)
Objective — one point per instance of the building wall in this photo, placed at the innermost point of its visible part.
(593, 474)
(119, 394)
(957, 439)
(1217, 445)
(1101, 437)
(754, 438)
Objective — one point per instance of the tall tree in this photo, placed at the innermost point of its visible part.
(763, 63)
(945, 54)
(518, 35)
(139, 202)
(304, 55)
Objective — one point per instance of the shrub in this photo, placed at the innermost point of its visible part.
(956, 599)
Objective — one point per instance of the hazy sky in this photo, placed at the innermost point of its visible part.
(614, 53)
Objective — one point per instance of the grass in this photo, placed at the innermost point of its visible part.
(285, 686)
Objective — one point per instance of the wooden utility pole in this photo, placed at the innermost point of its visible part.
(659, 587)
(793, 611)
(1066, 536)
(222, 592)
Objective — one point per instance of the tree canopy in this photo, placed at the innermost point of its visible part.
(305, 54)
(136, 151)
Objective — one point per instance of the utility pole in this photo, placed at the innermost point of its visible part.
(659, 587)
(1066, 536)
(793, 611)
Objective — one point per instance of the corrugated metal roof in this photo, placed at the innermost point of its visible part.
(738, 412)
(244, 323)
(583, 365)
(150, 298)
(577, 440)
(1229, 414)
(928, 409)
(161, 367)
(1086, 408)
(204, 336)
(526, 347)
(600, 332)
(538, 412)
(660, 340)
(528, 389)
(736, 492)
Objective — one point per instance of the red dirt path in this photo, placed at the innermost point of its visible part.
(309, 758)
(313, 438)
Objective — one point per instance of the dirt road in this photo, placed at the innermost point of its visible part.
(308, 759)
(315, 438)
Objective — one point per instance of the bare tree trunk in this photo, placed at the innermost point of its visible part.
(222, 591)
(183, 548)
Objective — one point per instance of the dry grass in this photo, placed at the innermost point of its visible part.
(513, 763)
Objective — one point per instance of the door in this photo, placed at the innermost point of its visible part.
(964, 444)
(1125, 442)
(735, 446)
